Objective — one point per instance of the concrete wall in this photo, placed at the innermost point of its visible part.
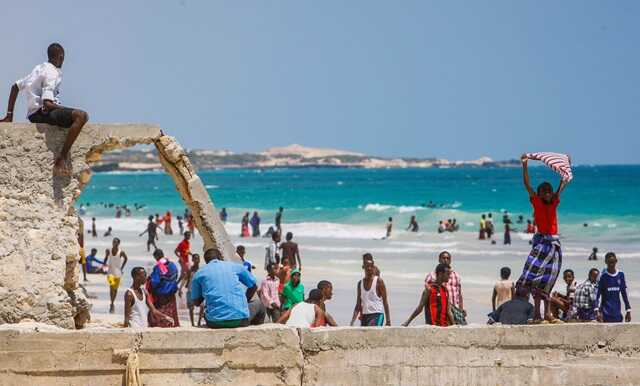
(38, 224)
(592, 354)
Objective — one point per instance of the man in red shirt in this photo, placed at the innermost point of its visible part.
(183, 250)
(545, 259)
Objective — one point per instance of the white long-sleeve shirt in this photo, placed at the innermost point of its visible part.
(41, 84)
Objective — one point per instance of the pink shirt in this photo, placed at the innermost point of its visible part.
(269, 292)
(453, 286)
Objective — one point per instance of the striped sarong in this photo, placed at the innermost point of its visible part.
(559, 163)
(542, 266)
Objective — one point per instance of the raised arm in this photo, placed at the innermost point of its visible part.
(563, 184)
(13, 95)
(419, 308)
(525, 174)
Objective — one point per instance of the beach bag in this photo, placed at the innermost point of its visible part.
(458, 316)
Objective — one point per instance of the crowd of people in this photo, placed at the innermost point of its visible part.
(228, 294)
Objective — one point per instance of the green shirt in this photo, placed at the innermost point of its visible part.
(292, 295)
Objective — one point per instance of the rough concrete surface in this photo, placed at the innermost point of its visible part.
(587, 354)
(38, 225)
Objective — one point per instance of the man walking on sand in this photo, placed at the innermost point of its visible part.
(43, 106)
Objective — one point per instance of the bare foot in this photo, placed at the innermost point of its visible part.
(62, 167)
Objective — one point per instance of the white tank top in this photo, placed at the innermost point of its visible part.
(371, 302)
(302, 315)
(115, 264)
(139, 311)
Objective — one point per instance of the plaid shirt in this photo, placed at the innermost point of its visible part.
(453, 286)
(586, 295)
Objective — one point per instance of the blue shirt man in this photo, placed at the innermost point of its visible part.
(225, 287)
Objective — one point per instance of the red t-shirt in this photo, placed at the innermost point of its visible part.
(545, 215)
(183, 251)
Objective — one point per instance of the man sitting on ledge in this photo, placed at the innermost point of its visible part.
(225, 287)
(42, 89)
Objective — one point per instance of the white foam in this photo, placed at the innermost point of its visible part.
(376, 207)
(113, 188)
(211, 186)
(407, 209)
(324, 230)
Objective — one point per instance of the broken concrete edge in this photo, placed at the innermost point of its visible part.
(105, 138)
(276, 354)
(191, 189)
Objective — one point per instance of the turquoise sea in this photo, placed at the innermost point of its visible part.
(604, 197)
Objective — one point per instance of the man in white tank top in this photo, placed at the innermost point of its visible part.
(371, 300)
(137, 304)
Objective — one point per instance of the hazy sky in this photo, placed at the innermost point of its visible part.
(414, 78)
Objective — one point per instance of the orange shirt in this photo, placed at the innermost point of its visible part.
(545, 215)
(183, 251)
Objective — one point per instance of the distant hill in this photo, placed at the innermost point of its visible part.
(289, 156)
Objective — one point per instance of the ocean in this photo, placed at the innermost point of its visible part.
(337, 215)
(357, 202)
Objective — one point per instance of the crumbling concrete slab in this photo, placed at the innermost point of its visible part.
(38, 225)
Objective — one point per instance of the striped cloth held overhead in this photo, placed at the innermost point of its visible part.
(559, 163)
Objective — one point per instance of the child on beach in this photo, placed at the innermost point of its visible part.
(195, 260)
(435, 301)
(241, 251)
(587, 297)
(269, 293)
(183, 251)
(92, 259)
(504, 290)
(543, 264)
(565, 303)
(612, 286)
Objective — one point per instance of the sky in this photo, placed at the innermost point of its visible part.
(449, 79)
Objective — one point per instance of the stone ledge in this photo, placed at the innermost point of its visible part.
(588, 354)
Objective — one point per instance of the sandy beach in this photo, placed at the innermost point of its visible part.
(404, 261)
